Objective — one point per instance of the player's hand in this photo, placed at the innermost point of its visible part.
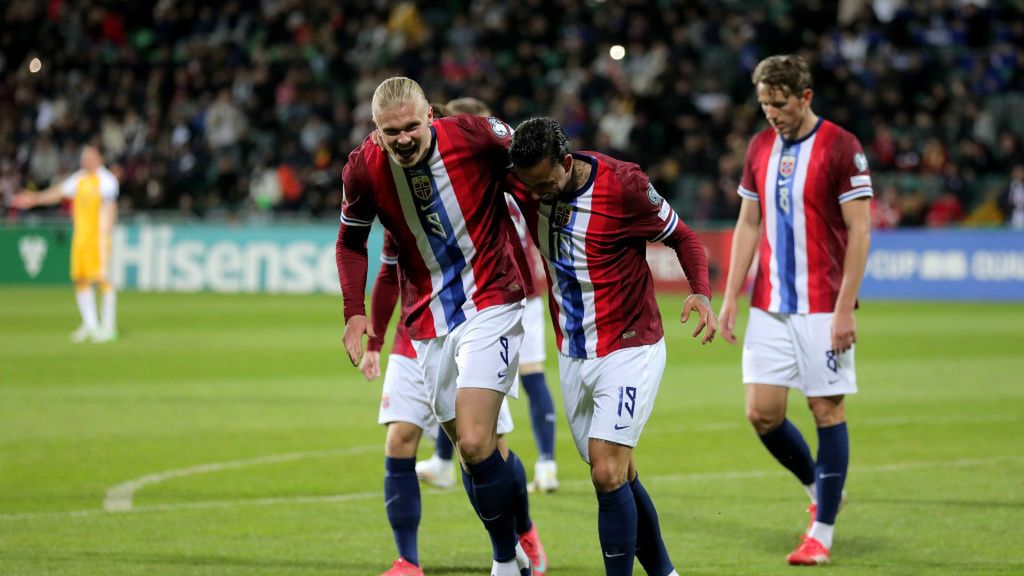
(23, 200)
(355, 328)
(727, 320)
(702, 305)
(844, 331)
(370, 364)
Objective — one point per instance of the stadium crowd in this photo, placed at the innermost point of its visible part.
(250, 108)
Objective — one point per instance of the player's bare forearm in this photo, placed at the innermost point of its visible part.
(744, 244)
(857, 217)
(48, 197)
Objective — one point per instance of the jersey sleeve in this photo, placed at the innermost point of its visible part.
(357, 206)
(357, 213)
(490, 134)
(850, 165)
(70, 185)
(748, 184)
(109, 187)
(385, 293)
(656, 221)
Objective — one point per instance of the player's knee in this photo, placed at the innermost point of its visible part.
(402, 440)
(827, 411)
(607, 476)
(764, 421)
(475, 445)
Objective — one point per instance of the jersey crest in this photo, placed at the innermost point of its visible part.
(421, 187)
(787, 165)
(562, 215)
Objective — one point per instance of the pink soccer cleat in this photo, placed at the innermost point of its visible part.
(403, 567)
(530, 542)
(809, 553)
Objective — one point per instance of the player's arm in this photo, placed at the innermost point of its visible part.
(26, 199)
(658, 222)
(745, 237)
(857, 219)
(357, 213)
(693, 258)
(382, 307)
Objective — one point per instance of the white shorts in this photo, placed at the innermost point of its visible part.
(482, 352)
(795, 350)
(611, 398)
(404, 399)
(533, 349)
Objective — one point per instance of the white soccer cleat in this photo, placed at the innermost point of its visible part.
(436, 472)
(83, 334)
(545, 477)
(103, 336)
(518, 566)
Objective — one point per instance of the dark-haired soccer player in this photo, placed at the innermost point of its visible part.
(805, 194)
(591, 216)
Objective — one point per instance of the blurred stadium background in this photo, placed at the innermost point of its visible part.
(246, 444)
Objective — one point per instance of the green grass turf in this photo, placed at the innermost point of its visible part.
(935, 485)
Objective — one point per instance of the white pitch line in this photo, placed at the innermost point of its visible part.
(691, 476)
(120, 497)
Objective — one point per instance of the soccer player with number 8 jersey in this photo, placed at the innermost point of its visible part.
(805, 210)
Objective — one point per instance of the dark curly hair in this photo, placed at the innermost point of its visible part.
(537, 139)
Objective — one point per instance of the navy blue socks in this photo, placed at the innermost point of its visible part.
(492, 492)
(521, 504)
(443, 447)
(617, 530)
(402, 501)
(833, 460)
(650, 548)
(542, 414)
(790, 449)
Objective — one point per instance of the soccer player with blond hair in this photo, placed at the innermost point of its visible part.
(436, 186)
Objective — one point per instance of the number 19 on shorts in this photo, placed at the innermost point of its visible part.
(627, 399)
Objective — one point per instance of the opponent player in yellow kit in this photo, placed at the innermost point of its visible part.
(93, 190)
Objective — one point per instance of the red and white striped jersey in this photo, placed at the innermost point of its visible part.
(800, 186)
(459, 249)
(594, 243)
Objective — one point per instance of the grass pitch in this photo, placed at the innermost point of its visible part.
(240, 440)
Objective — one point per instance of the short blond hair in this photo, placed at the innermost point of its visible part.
(396, 91)
(467, 105)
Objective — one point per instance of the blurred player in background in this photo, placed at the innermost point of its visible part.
(806, 189)
(591, 216)
(438, 470)
(93, 190)
(406, 411)
(437, 187)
